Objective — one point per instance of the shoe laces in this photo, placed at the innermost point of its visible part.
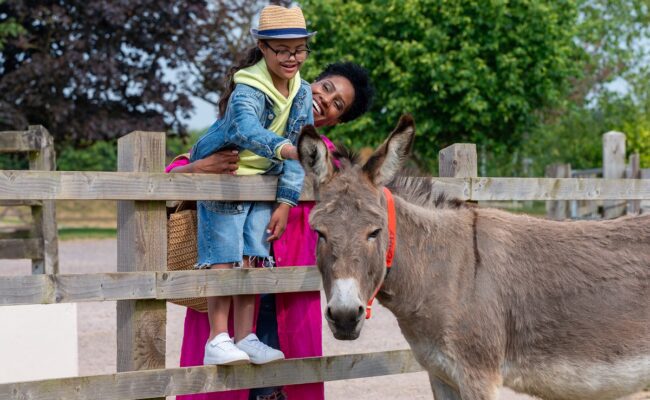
(227, 344)
(256, 343)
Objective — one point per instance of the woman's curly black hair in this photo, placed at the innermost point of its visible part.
(364, 92)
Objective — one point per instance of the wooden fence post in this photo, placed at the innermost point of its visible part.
(645, 204)
(634, 172)
(141, 246)
(44, 215)
(558, 209)
(613, 168)
(458, 161)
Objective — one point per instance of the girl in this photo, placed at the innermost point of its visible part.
(262, 111)
(342, 92)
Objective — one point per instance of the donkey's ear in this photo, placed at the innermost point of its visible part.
(313, 154)
(389, 158)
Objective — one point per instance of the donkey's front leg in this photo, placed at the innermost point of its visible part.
(442, 391)
(480, 385)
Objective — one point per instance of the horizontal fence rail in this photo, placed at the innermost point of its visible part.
(174, 381)
(72, 288)
(20, 141)
(21, 248)
(38, 185)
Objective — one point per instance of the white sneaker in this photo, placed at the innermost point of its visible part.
(258, 352)
(222, 351)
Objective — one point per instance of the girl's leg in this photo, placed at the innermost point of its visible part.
(255, 246)
(244, 310)
(220, 227)
(218, 309)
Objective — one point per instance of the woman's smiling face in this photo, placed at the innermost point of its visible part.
(332, 97)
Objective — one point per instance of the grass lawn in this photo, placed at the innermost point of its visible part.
(87, 233)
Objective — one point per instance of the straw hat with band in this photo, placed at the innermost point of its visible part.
(278, 22)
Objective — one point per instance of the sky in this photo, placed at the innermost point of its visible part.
(203, 116)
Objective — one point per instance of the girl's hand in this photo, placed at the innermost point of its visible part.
(289, 152)
(278, 222)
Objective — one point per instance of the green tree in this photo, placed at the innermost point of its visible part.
(576, 137)
(611, 93)
(8, 28)
(473, 70)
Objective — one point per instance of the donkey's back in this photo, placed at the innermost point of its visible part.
(577, 302)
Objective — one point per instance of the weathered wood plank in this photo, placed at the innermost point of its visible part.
(20, 203)
(68, 185)
(613, 168)
(51, 289)
(502, 189)
(182, 284)
(170, 382)
(15, 232)
(141, 246)
(158, 186)
(458, 161)
(19, 141)
(44, 215)
(26, 289)
(558, 209)
(634, 172)
(20, 248)
(75, 288)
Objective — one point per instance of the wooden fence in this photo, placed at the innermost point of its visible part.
(142, 284)
(614, 166)
(41, 245)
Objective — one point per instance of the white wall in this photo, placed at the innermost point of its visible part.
(38, 342)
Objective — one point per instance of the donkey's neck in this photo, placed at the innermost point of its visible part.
(429, 243)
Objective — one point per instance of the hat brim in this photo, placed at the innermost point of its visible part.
(280, 35)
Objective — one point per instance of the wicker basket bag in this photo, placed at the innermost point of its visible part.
(182, 247)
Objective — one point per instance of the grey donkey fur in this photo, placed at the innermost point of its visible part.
(559, 310)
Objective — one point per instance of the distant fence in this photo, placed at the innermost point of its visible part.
(614, 167)
(142, 283)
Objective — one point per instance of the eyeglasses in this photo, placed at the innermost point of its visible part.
(285, 55)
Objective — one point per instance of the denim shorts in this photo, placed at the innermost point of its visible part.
(229, 230)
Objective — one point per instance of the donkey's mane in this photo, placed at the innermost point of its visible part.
(416, 190)
(421, 192)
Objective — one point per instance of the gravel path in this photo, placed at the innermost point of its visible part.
(97, 349)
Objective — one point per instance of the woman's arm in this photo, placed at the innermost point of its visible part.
(220, 162)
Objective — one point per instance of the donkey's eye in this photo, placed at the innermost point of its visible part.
(373, 235)
(321, 236)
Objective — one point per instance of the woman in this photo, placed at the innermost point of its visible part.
(292, 321)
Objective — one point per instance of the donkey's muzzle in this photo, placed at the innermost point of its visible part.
(345, 311)
(345, 323)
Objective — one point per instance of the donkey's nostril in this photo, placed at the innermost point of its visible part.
(360, 312)
(329, 313)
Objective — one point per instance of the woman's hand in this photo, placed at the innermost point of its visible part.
(220, 162)
(278, 222)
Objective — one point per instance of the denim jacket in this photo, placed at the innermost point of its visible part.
(244, 127)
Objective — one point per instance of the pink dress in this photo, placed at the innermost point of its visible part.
(298, 314)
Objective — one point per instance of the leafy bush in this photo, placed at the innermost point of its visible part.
(99, 156)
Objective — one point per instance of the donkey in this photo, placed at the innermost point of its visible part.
(559, 310)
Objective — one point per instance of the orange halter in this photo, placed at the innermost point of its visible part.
(390, 253)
